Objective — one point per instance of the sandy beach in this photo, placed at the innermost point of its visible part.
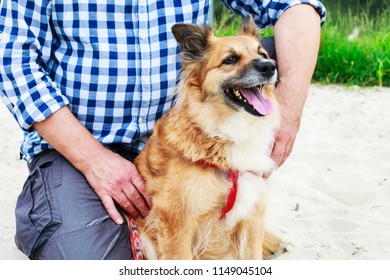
(331, 199)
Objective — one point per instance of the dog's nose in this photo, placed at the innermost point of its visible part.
(266, 68)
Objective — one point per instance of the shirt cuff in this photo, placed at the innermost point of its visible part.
(277, 8)
(29, 110)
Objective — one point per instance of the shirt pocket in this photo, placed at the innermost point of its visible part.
(36, 217)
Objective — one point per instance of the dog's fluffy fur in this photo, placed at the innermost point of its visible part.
(208, 123)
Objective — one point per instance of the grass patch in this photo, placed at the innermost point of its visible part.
(226, 23)
(355, 50)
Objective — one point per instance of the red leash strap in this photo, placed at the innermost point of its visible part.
(209, 164)
(233, 177)
(135, 241)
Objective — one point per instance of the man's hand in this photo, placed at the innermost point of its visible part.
(284, 139)
(115, 179)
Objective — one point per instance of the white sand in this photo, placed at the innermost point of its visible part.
(13, 173)
(331, 199)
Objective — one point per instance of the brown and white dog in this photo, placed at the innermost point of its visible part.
(203, 163)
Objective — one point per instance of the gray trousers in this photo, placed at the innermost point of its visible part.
(59, 216)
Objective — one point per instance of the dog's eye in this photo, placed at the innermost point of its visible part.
(231, 60)
(263, 55)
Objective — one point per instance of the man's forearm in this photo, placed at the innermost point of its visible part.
(65, 133)
(297, 37)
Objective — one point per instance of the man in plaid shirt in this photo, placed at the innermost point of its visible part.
(86, 80)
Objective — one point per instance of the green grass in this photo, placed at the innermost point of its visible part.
(362, 61)
(227, 23)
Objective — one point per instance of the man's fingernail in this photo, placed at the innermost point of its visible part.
(119, 221)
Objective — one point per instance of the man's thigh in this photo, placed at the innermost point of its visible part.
(59, 216)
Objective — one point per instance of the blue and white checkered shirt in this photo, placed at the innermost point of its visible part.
(113, 62)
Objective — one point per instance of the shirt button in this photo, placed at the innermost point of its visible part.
(146, 79)
(140, 120)
(142, 36)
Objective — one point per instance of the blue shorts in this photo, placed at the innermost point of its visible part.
(59, 216)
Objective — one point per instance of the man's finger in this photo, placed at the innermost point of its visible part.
(267, 175)
(278, 151)
(287, 151)
(127, 204)
(137, 200)
(139, 183)
(109, 205)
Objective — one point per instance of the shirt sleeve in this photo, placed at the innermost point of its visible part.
(267, 12)
(25, 48)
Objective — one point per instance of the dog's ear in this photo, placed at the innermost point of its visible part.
(249, 27)
(192, 39)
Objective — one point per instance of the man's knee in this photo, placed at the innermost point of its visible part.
(59, 216)
(103, 240)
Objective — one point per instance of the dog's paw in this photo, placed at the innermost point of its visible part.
(273, 246)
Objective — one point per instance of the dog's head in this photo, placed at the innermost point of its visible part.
(236, 69)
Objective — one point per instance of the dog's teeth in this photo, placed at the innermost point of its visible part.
(237, 93)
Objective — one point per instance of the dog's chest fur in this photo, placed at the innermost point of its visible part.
(251, 139)
(250, 154)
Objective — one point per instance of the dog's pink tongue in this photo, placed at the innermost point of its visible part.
(261, 104)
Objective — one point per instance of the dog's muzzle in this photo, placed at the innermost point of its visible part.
(246, 91)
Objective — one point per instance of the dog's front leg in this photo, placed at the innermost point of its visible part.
(175, 239)
(249, 239)
(272, 245)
